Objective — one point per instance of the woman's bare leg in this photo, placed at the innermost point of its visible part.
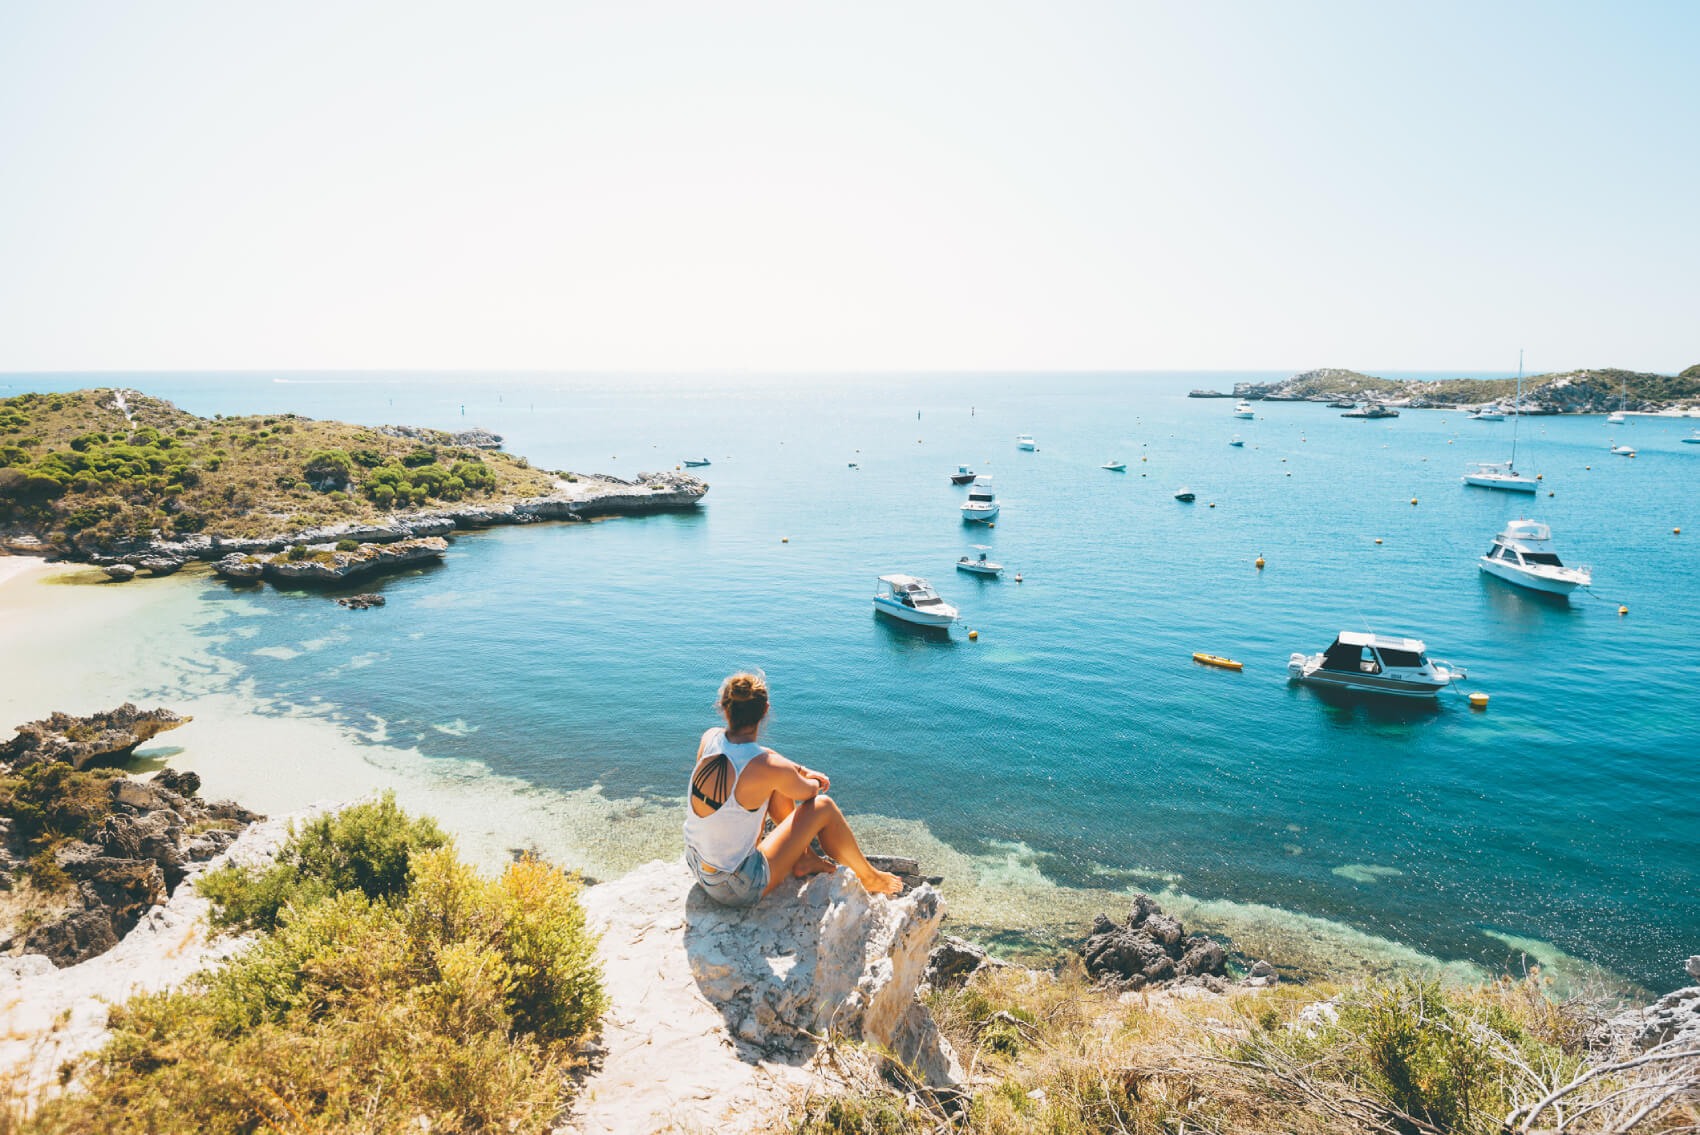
(779, 807)
(788, 843)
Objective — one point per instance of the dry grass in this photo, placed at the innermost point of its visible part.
(1053, 1055)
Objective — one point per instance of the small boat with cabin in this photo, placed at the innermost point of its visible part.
(1114, 466)
(981, 507)
(1487, 414)
(962, 476)
(1523, 554)
(1623, 450)
(1242, 409)
(689, 464)
(1237, 442)
(913, 600)
(1186, 495)
(1693, 438)
(1025, 441)
(980, 566)
(1372, 663)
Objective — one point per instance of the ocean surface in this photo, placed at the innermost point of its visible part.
(1076, 735)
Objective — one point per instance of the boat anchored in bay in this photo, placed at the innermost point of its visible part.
(1523, 555)
(1372, 663)
(913, 600)
(1503, 474)
(981, 506)
(980, 566)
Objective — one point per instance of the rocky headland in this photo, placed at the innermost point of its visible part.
(1587, 391)
(137, 486)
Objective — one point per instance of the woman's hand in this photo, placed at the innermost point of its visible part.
(819, 778)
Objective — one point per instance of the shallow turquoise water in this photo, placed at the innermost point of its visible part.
(1076, 724)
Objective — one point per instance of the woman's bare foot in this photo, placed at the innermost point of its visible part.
(881, 883)
(812, 864)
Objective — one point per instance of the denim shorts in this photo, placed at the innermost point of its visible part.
(732, 888)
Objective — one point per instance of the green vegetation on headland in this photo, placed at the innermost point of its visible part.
(389, 982)
(101, 467)
(1568, 392)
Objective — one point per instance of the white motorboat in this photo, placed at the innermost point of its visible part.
(914, 601)
(981, 506)
(1114, 466)
(1693, 438)
(1523, 554)
(1500, 475)
(1504, 475)
(1025, 441)
(1615, 418)
(962, 476)
(1237, 442)
(1242, 409)
(1623, 450)
(980, 565)
(1487, 415)
(1375, 663)
(1186, 495)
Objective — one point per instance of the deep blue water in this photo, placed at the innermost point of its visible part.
(1077, 723)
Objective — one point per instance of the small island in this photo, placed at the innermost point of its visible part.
(1599, 391)
(133, 483)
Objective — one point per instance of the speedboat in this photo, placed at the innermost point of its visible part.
(696, 464)
(1487, 416)
(1025, 441)
(1623, 450)
(1375, 663)
(1522, 554)
(914, 601)
(1237, 441)
(1693, 438)
(1500, 475)
(982, 503)
(962, 476)
(1186, 495)
(1243, 409)
(980, 566)
(1114, 466)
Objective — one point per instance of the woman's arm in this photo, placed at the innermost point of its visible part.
(790, 779)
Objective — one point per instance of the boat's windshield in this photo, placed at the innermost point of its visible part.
(1404, 659)
(1541, 558)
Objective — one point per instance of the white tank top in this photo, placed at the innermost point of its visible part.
(724, 838)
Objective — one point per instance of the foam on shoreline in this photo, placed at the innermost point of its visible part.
(84, 648)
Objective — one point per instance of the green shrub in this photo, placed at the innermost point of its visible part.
(347, 545)
(296, 552)
(420, 457)
(50, 801)
(366, 848)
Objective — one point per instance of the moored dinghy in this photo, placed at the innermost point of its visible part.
(1114, 466)
(1186, 495)
(1372, 663)
(980, 565)
(913, 600)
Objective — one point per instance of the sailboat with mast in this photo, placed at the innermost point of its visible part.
(1617, 418)
(1504, 474)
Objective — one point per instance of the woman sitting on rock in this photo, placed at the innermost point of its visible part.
(736, 785)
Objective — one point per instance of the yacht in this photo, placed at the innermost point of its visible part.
(1522, 554)
(1242, 409)
(962, 476)
(1374, 663)
(1487, 414)
(1615, 418)
(982, 503)
(1503, 474)
(981, 565)
(1500, 475)
(1025, 441)
(1693, 438)
(914, 601)
(1114, 466)
(1186, 495)
(1623, 450)
(1237, 441)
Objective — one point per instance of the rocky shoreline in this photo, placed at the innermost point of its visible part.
(400, 540)
(1586, 391)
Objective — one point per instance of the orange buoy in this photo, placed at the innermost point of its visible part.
(1259, 562)
(1623, 610)
(1378, 539)
(973, 634)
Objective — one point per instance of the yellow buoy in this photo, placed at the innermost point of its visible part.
(785, 539)
(1539, 476)
(1623, 610)
(1259, 562)
(973, 634)
(1212, 504)
(1378, 539)
(1413, 500)
(1478, 701)
(1676, 531)
(1587, 466)
(991, 524)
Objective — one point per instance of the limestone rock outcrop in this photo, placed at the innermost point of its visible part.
(717, 1013)
(1149, 948)
(1673, 1017)
(325, 564)
(80, 741)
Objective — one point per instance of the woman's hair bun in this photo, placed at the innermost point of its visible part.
(744, 697)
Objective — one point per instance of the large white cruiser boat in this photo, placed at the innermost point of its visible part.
(1243, 409)
(1025, 441)
(914, 601)
(1523, 554)
(982, 503)
(1501, 475)
(1375, 663)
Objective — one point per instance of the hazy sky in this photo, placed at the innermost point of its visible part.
(916, 185)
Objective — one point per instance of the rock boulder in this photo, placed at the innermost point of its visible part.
(80, 741)
(717, 1013)
(1149, 947)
